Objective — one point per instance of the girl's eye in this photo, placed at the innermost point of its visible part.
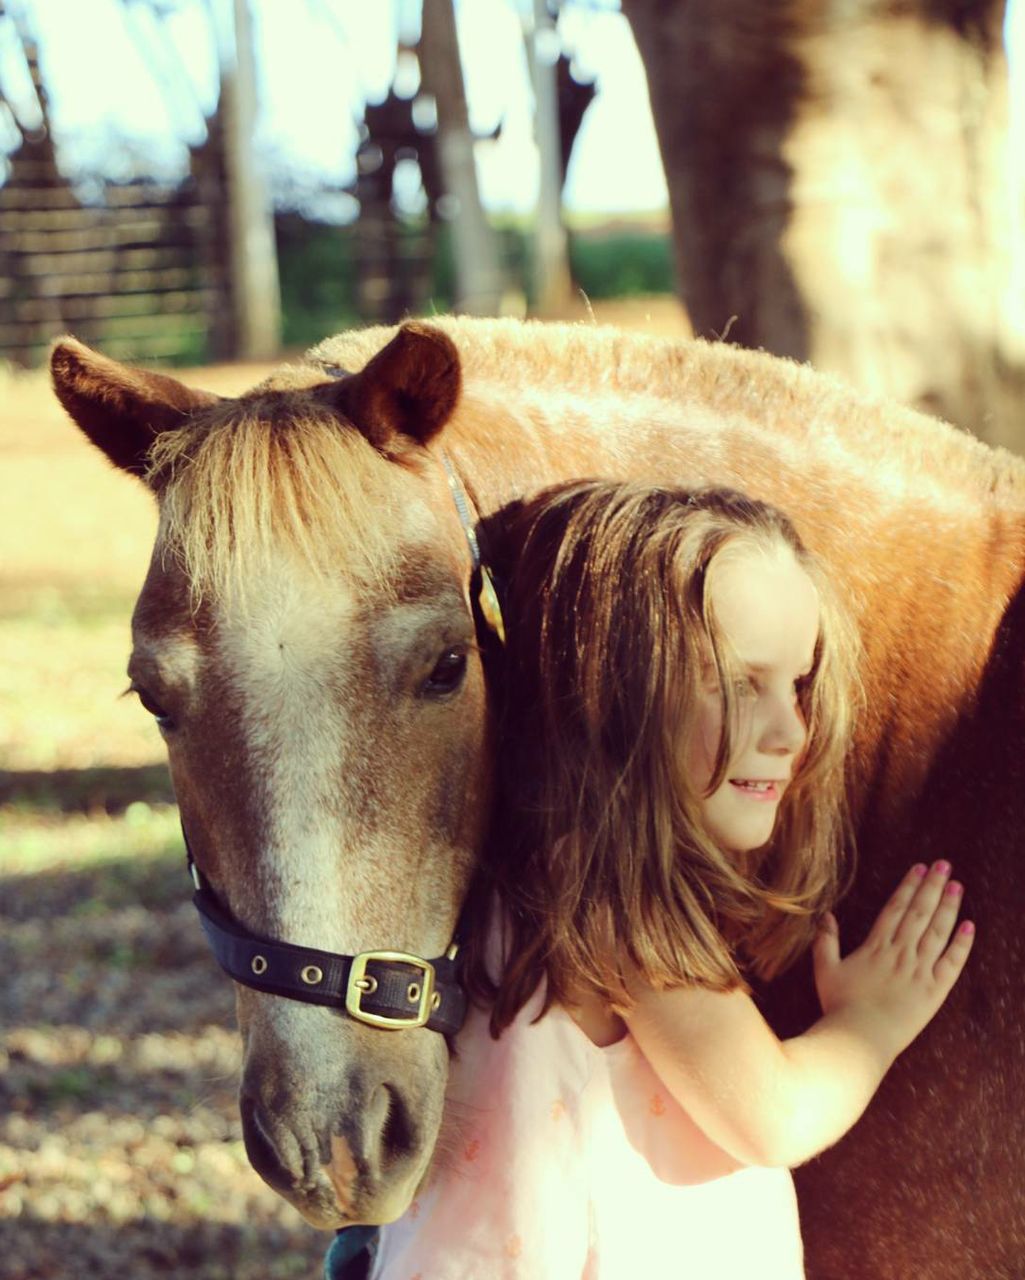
(448, 674)
(151, 705)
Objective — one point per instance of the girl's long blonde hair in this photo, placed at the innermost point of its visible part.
(598, 853)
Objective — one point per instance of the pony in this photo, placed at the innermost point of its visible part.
(306, 639)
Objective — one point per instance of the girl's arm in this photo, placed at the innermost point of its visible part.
(772, 1102)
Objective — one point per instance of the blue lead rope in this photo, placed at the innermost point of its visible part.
(351, 1255)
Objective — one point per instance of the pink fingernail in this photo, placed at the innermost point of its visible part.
(919, 869)
(954, 889)
(966, 928)
(942, 867)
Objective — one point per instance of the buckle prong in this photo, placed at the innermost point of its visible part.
(359, 986)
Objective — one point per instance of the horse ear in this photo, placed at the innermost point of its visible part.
(409, 388)
(120, 409)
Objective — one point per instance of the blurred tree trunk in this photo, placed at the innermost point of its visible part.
(553, 286)
(478, 277)
(845, 190)
(208, 165)
(255, 286)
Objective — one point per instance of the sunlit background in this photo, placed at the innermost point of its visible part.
(141, 97)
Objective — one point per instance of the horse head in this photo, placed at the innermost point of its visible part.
(306, 642)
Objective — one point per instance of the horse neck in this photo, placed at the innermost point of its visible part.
(559, 407)
(544, 440)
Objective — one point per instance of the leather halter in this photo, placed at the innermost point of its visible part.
(392, 990)
(387, 989)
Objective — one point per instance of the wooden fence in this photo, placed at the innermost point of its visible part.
(139, 274)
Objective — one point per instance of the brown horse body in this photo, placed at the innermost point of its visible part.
(923, 528)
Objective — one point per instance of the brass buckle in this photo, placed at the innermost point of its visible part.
(358, 986)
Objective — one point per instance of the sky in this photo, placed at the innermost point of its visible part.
(139, 95)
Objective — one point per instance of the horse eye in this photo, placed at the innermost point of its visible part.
(152, 706)
(447, 675)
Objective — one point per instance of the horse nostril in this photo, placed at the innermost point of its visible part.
(264, 1155)
(398, 1134)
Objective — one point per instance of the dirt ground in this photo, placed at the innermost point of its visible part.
(120, 1145)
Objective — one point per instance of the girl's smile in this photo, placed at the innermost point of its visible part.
(759, 790)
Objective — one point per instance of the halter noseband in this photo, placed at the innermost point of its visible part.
(387, 989)
(392, 990)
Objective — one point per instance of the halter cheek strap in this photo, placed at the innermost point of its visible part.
(483, 588)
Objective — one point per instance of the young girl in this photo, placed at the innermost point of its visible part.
(677, 708)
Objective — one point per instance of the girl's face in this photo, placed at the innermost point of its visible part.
(767, 611)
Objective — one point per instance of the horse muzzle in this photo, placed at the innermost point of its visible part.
(343, 1085)
(341, 1130)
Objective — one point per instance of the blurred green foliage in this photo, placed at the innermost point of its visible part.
(319, 264)
(318, 272)
(622, 264)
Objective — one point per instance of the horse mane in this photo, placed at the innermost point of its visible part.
(266, 476)
(909, 451)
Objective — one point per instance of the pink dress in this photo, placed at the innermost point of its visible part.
(560, 1160)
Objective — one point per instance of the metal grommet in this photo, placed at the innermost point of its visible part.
(311, 975)
(367, 984)
(435, 1000)
(413, 992)
(258, 964)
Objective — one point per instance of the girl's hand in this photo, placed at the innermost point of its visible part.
(895, 982)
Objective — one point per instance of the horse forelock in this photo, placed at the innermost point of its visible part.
(240, 487)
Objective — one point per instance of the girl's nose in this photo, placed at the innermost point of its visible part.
(784, 731)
